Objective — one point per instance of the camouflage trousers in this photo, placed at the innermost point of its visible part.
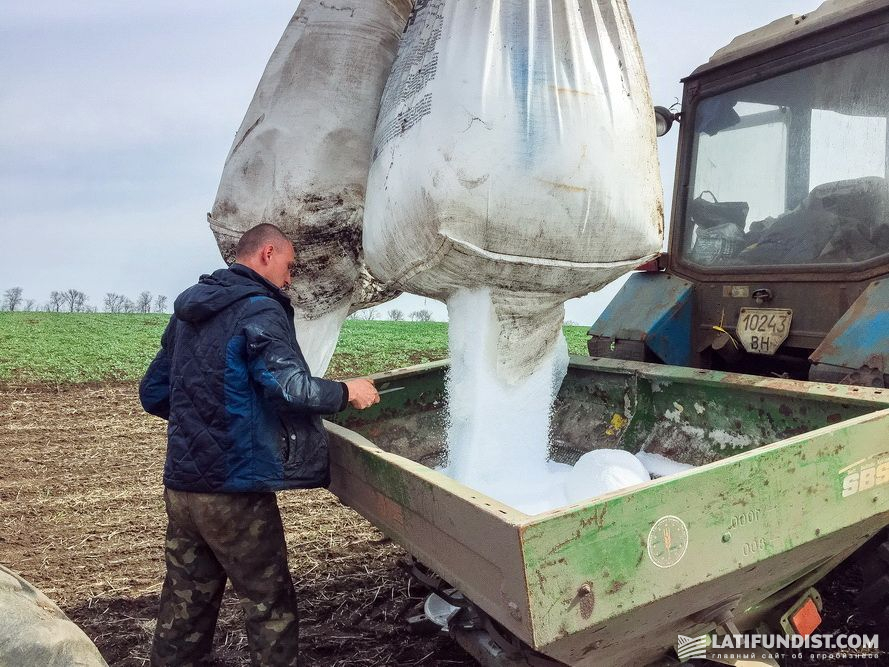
(212, 537)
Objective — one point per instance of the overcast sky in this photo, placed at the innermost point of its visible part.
(117, 117)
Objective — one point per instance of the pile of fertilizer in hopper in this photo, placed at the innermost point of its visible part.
(550, 485)
(498, 433)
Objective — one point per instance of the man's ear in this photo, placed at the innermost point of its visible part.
(267, 253)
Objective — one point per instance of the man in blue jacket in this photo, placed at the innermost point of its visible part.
(244, 421)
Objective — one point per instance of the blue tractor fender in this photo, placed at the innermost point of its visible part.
(654, 309)
(856, 349)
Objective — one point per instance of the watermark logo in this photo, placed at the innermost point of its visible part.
(756, 646)
(689, 648)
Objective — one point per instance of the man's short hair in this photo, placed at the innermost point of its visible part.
(257, 237)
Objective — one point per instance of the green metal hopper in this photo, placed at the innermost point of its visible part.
(791, 478)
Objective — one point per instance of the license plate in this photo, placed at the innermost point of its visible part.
(763, 330)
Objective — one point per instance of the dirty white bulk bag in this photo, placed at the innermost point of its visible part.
(515, 149)
(34, 632)
(301, 155)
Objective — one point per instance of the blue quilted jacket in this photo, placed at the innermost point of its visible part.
(243, 411)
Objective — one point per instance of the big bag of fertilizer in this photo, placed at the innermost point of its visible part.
(514, 150)
(301, 156)
(34, 632)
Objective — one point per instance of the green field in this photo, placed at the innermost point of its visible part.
(76, 347)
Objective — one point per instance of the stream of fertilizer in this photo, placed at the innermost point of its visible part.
(498, 434)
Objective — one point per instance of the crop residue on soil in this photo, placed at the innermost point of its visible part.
(81, 517)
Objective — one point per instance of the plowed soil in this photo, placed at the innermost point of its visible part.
(81, 516)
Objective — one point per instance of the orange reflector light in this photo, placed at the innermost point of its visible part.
(806, 619)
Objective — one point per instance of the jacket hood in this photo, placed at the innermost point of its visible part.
(216, 292)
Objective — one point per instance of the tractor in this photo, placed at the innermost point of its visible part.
(778, 251)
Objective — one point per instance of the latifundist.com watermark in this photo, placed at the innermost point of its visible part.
(753, 646)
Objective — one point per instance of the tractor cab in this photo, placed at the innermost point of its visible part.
(779, 244)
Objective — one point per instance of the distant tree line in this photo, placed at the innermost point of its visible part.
(120, 303)
(76, 301)
(394, 314)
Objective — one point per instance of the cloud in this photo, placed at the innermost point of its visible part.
(122, 92)
(162, 13)
(110, 252)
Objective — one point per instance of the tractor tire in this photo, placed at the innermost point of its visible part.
(873, 562)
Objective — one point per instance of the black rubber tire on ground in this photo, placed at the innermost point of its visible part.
(873, 561)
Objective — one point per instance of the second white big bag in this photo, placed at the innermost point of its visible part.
(514, 150)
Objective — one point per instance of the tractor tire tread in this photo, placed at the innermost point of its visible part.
(873, 561)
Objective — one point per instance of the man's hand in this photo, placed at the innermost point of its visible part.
(362, 393)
